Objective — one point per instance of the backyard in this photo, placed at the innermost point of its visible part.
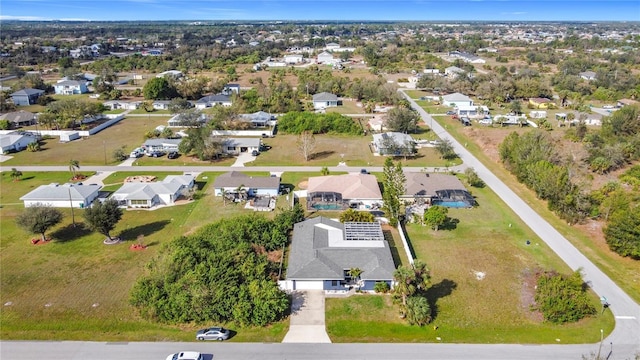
(482, 287)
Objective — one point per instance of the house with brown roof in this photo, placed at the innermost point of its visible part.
(252, 185)
(340, 192)
(436, 189)
(627, 102)
(540, 103)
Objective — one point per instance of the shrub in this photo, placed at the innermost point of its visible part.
(381, 287)
(331, 123)
(562, 298)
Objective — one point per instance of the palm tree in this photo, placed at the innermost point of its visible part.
(16, 174)
(355, 274)
(405, 284)
(73, 166)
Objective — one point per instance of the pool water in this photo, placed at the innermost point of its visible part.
(452, 204)
(326, 206)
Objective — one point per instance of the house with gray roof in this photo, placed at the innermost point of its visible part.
(15, 141)
(62, 196)
(253, 185)
(19, 118)
(324, 100)
(161, 144)
(457, 100)
(151, 194)
(588, 75)
(235, 146)
(213, 100)
(259, 118)
(323, 251)
(394, 143)
(26, 97)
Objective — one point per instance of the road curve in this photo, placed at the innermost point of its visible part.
(626, 334)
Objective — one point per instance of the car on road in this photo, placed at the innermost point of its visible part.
(173, 155)
(450, 112)
(185, 355)
(213, 333)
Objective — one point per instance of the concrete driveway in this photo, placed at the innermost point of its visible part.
(307, 318)
(243, 158)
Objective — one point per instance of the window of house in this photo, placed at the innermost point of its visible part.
(138, 202)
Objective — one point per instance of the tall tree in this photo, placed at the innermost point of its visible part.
(158, 88)
(402, 119)
(38, 219)
(103, 216)
(306, 143)
(623, 232)
(435, 216)
(394, 186)
(73, 166)
(16, 174)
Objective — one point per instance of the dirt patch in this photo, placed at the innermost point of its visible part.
(140, 178)
(529, 279)
(302, 185)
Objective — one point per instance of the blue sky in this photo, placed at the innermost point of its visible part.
(541, 10)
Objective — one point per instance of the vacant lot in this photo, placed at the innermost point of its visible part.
(330, 150)
(481, 286)
(93, 150)
(76, 288)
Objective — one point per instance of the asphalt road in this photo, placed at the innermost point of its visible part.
(79, 350)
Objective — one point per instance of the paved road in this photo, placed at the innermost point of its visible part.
(626, 311)
(78, 350)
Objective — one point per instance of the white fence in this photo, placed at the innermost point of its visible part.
(82, 133)
(405, 243)
(254, 133)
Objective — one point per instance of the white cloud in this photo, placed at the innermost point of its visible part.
(22, 17)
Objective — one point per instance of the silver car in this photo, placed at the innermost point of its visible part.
(213, 333)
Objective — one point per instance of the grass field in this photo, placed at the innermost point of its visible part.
(92, 150)
(624, 271)
(76, 288)
(330, 149)
(489, 239)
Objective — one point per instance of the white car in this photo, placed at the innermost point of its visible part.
(185, 355)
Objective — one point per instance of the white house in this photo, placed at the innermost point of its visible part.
(161, 104)
(70, 87)
(125, 105)
(253, 185)
(324, 100)
(176, 74)
(161, 144)
(213, 100)
(150, 194)
(457, 100)
(236, 146)
(393, 143)
(64, 196)
(324, 250)
(431, 71)
(588, 75)
(454, 71)
(293, 58)
(13, 142)
(326, 58)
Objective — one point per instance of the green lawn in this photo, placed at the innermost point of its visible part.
(330, 150)
(76, 288)
(416, 94)
(624, 271)
(489, 239)
(93, 150)
(154, 112)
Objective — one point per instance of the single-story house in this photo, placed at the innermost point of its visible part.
(431, 71)
(64, 196)
(340, 192)
(467, 57)
(540, 103)
(377, 124)
(231, 89)
(150, 194)
(393, 143)
(161, 104)
(259, 119)
(454, 71)
(472, 111)
(436, 189)
(185, 120)
(324, 250)
(326, 58)
(70, 87)
(588, 75)
(13, 142)
(19, 118)
(324, 100)
(176, 74)
(213, 100)
(293, 58)
(125, 105)
(457, 100)
(26, 96)
(236, 146)
(160, 144)
(253, 185)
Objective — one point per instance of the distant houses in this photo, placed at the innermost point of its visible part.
(63, 196)
(16, 141)
(26, 97)
(70, 87)
(19, 118)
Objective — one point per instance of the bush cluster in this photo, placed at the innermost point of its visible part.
(331, 123)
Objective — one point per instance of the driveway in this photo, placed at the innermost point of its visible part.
(307, 318)
(243, 158)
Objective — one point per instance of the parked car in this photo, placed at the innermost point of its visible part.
(156, 153)
(173, 155)
(364, 171)
(255, 153)
(185, 355)
(136, 153)
(213, 333)
(450, 112)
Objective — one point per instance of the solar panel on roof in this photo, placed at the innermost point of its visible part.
(359, 231)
